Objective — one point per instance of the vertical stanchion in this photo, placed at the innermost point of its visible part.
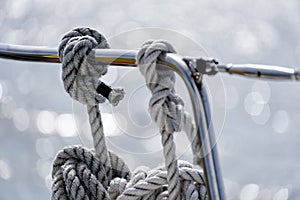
(209, 145)
(210, 159)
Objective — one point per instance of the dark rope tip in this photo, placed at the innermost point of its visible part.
(104, 90)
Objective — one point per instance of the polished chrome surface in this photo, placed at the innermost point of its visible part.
(29, 53)
(261, 71)
(127, 58)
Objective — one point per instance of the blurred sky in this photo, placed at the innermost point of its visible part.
(260, 139)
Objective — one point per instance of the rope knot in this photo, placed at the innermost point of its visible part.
(165, 106)
(167, 112)
(81, 72)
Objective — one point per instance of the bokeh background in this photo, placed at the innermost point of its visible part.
(260, 139)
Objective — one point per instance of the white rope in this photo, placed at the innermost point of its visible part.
(79, 173)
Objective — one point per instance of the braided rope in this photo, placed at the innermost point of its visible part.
(79, 173)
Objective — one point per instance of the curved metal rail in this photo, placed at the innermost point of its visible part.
(127, 58)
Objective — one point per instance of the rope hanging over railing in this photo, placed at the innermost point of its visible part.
(80, 173)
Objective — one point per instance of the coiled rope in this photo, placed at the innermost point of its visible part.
(80, 173)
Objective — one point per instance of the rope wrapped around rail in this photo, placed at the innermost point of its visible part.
(80, 173)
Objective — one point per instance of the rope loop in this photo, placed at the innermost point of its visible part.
(79, 174)
(80, 71)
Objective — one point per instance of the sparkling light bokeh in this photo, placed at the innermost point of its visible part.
(65, 125)
(5, 170)
(46, 121)
(259, 145)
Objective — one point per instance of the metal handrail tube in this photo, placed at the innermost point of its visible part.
(212, 154)
(127, 58)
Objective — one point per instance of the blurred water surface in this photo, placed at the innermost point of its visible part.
(260, 139)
